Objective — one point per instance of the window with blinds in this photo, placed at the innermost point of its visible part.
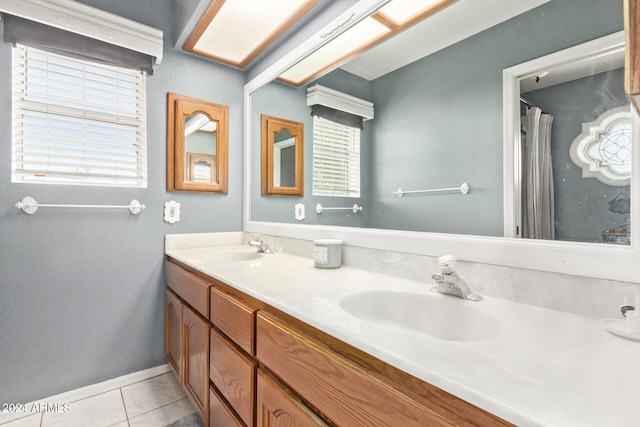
(336, 159)
(77, 122)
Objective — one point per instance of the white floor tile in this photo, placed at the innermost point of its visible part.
(151, 394)
(30, 421)
(165, 415)
(103, 410)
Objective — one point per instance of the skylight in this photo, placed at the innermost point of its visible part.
(236, 31)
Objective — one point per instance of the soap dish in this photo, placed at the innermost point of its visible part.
(619, 327)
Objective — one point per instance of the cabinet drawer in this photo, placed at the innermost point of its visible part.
(191, 288)
(234, 318)
(233, 373)
(220, 415)
(342, 391)
(278, 407)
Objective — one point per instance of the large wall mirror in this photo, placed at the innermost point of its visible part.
(282, 156)
(439, 122)
(197, 145)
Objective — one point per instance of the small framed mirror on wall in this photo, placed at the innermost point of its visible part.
(282, 157)
(197, 145)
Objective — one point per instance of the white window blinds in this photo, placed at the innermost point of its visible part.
(336, 159)
(77, 122)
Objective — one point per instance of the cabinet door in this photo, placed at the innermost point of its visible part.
(196, 360)
(279, 408)
(173, 331)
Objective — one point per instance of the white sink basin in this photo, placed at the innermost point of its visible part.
(438, 316)
(230, 256)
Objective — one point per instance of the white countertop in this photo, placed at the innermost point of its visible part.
(547, 368)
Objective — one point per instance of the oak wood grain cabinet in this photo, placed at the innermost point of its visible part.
(210, 341)
(187, 351)
(173, 330)
(279, 407)
(346, 391)
(187, 334)
(220, 413)
(196, 360)
(233, 372)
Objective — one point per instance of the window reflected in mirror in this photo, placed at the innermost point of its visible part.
(197, 145)
(282, 157)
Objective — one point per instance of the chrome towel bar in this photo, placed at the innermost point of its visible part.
(464, 189)
(354, 208)
(30, 205)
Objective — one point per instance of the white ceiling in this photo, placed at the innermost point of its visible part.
(454, 23)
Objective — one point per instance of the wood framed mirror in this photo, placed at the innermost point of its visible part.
(197, 145)
(282, 157)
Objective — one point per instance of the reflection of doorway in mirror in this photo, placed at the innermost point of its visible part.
(584, 177)
(575, 87)
(201, 167)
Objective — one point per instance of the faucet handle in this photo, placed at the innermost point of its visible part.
(446, 264)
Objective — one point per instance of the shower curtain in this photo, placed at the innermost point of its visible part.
(537, 193)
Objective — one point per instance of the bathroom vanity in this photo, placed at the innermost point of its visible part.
(248, 363)
(260, 339)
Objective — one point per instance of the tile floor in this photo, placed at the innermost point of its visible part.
(151, 403)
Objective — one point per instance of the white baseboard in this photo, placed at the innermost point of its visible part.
(88, 391)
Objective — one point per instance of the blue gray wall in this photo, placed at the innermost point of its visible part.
(82, 291)
(439, 120)
(581, 204)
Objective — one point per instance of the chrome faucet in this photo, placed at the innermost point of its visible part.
(261, 245)
(448, 282)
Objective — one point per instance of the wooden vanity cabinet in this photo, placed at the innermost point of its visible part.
(233, 373)
(173, 332)
(350, 388)
(196, 360)
(210, 341)
(279, 407)
(187, 333)
(220, 413)
(187, 350)
(232, 366)
(234, 318)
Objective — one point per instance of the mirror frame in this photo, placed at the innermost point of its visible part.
(594, 260)
(270, 126)
(179, 106)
